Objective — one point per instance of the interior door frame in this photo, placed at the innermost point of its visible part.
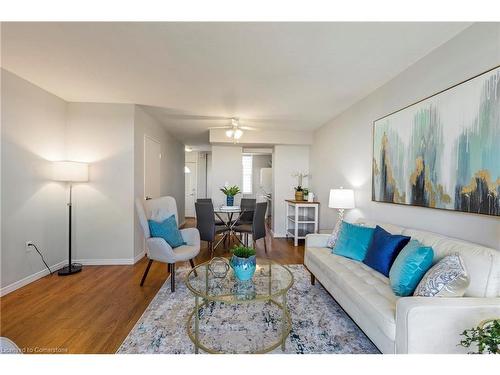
(147, 136)
(195, 184)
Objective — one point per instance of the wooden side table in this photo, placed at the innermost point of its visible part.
(302, 218)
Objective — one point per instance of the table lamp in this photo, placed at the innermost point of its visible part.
(70, 171)
(341, 199)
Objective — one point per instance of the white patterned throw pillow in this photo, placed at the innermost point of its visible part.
(447, 278)
(332, 240)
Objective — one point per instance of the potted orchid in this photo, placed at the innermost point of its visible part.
(299, 190)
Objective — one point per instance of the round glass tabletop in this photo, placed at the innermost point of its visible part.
(215, 281)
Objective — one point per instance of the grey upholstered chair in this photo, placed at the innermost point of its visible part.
(209, 200)
(248, 205)
(157, 248)
(258, 226)
(204, 200)
(205, 223)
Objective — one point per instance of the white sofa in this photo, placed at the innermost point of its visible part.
(409, 324)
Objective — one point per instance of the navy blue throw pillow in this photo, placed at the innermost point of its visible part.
(384, 249)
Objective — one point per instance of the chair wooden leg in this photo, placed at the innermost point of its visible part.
(193, 267)
(211, 249)
(172, 277)
(146, 272)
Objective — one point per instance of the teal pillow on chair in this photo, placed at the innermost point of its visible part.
(167, 229)
(409, 267)
(353, 241)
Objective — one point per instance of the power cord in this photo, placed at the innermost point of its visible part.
(41, 256)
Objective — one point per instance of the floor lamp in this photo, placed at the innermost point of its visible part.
(70, 171)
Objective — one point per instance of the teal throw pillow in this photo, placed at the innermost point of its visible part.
(353, 241)
(410, 266)
(167, 229)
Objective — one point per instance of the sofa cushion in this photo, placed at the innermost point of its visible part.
(409, 267)
(353, 241)
(368, 289)
(448, 278)
(384, 249)
(482, 263)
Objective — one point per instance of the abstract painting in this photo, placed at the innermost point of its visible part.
(444, 151)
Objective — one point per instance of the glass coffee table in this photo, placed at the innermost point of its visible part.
(256, 308)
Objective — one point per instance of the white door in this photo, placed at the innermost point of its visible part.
(152, 159)
(190, 179)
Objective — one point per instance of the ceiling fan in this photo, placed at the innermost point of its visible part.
(235, 130)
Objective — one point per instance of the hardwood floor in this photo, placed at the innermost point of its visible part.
(94, 310)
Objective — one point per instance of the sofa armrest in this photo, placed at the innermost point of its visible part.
(191, 236)
(434, 324)
(316, 240)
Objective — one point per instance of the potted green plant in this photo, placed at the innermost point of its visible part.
(243, 262)
(230, 192)
(486, 336)
(305, 193)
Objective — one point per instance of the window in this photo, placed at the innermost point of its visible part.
(247, 174)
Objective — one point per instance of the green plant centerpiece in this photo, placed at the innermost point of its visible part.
(486, 336)
(243, 262)
(230, 192)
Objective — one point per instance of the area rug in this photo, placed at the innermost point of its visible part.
(319, 325)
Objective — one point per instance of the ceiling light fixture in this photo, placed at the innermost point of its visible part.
(188, 148)
(235, 132)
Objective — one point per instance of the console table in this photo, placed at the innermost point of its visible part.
(302, 218)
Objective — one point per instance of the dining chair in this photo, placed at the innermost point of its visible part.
(258, 226)
(157, 248)
(205, 223)
(209, 200)
(248, 207)
(204, 200)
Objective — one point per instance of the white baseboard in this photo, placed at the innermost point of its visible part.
(139, 256)
(105, 262)
(29, 279)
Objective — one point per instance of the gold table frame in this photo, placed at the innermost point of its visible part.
(286, 321)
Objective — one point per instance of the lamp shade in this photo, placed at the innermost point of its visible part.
(341, 198)
(70, 171)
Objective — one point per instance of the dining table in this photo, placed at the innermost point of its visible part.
(226, 215)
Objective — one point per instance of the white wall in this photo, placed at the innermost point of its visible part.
(33, 207)
(103, 135)
(171, 165)
(226, 167)
(342, 150)
(287, 160)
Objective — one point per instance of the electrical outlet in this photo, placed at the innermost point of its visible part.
(29, 247)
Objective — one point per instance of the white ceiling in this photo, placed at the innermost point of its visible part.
(195, 75)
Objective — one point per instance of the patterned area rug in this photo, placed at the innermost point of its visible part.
(319, 325)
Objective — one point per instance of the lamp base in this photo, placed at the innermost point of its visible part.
(69, 270)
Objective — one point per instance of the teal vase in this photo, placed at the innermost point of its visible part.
(243, 268)
(229, 200)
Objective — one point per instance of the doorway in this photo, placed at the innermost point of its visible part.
(191, 180)
(152, 168)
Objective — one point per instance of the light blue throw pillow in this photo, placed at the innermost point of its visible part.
(353, 241)
(167, 229)
(409, 267)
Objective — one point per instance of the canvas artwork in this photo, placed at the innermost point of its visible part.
(444, 151)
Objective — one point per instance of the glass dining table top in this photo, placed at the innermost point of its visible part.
(210, 282)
